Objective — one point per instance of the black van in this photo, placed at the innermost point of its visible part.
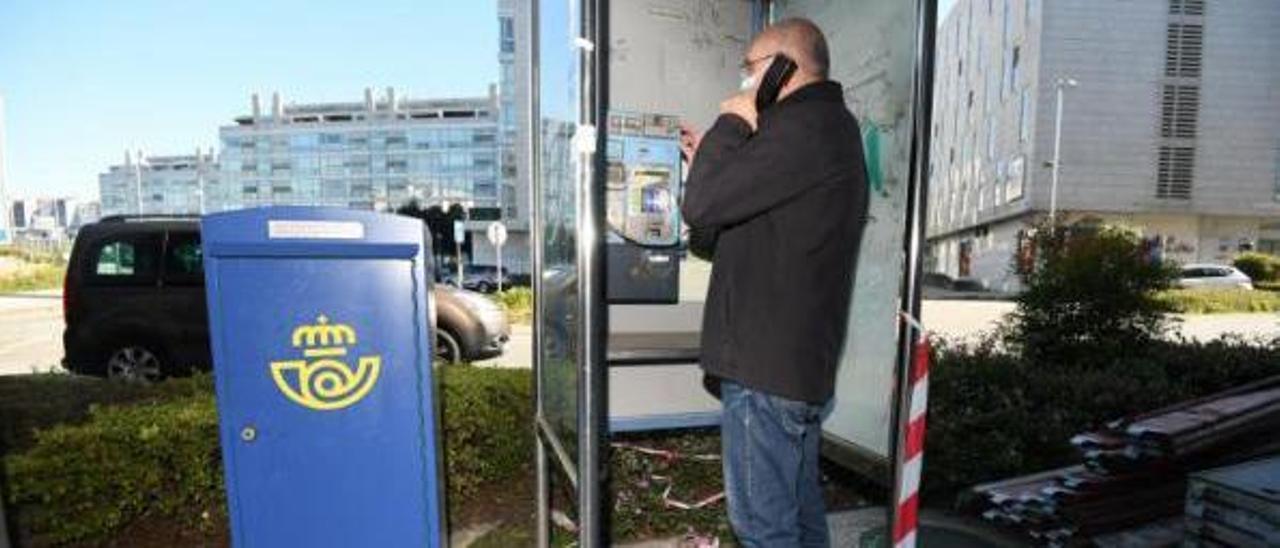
(134, 304)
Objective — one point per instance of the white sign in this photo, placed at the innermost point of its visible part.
(459, 231)
(497, 233)
(320, 230)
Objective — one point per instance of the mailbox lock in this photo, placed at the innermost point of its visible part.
(248, 434)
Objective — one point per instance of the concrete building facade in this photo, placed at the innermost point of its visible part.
(161, 185)
(1173, 127)
(377, 154)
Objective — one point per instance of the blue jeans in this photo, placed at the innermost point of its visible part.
(770, 446)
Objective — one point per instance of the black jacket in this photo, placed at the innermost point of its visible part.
(786, 207)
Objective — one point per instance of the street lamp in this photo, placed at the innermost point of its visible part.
(137, 179)
(200, 179)
(1061, 84)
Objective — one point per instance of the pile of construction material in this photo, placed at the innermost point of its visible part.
(1235, 506)
(1134, 471)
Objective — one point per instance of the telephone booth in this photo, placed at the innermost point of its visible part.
(619, 297)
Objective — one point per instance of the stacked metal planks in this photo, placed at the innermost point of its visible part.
(1236, 505)
(1134, 471)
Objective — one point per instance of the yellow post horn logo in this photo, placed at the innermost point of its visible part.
(323, 381)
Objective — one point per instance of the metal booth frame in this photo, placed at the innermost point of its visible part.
(584, 465)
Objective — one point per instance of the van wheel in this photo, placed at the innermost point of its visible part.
(448, 351)
(135, 364)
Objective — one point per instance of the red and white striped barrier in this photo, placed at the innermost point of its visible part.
(906, 513)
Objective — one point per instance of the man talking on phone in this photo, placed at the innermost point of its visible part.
(777, 197)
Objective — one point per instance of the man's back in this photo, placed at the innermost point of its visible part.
(790, 204)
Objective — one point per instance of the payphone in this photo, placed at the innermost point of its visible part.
(642, 189)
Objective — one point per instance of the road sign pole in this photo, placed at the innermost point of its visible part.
(497, 233)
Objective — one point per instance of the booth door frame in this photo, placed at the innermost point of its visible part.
(585, 471)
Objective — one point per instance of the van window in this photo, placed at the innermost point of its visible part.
(129, 260)
(183, 260)
(116, 259)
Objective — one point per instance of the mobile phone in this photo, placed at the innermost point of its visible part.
(771, 84)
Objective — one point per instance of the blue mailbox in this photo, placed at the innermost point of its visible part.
(320, 325)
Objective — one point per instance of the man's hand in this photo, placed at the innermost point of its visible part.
(690, 138)
(743, 105)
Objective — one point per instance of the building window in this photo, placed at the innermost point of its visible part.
(1183, 50)
(1024, 113)
(1277, 175)
(1014, 64)
(1174, 172)
(1179, 110)
(991, 139)
(1186, 7)
(507, 34)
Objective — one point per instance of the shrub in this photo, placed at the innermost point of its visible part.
(993, 415)
(518, 302)
(1262, 267)
(1090, 292)
(1210, 301)
(488, 418)
(85, 481)
(160, 457)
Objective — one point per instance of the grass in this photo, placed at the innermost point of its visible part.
(1267, 286)
(30, 255)
(518, 302)
(32, 277)
(1219, 301)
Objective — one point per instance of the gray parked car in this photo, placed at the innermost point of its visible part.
(1213, 276)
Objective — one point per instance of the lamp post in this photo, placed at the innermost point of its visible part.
(200, 180)
(137, 180)
(1062, 83)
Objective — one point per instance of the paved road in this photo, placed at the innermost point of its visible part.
(969, 319)
(31, 329)
(30, 332)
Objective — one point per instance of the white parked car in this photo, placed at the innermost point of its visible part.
(1213, 276)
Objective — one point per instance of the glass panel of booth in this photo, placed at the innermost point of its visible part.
(560, 168)
(873, 55)
(677, 61)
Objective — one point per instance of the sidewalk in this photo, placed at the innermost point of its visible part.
(856, 528)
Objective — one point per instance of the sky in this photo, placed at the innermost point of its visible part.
(84, 81)
(944, 7)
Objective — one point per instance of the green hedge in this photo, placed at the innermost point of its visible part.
(1261, 267)
(488, 424)
(993, 415)
(82, 482)
(160, 457)
(518, 302)
(1213, 301)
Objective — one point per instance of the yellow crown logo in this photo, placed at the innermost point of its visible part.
(321, 380)
(323, 334)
